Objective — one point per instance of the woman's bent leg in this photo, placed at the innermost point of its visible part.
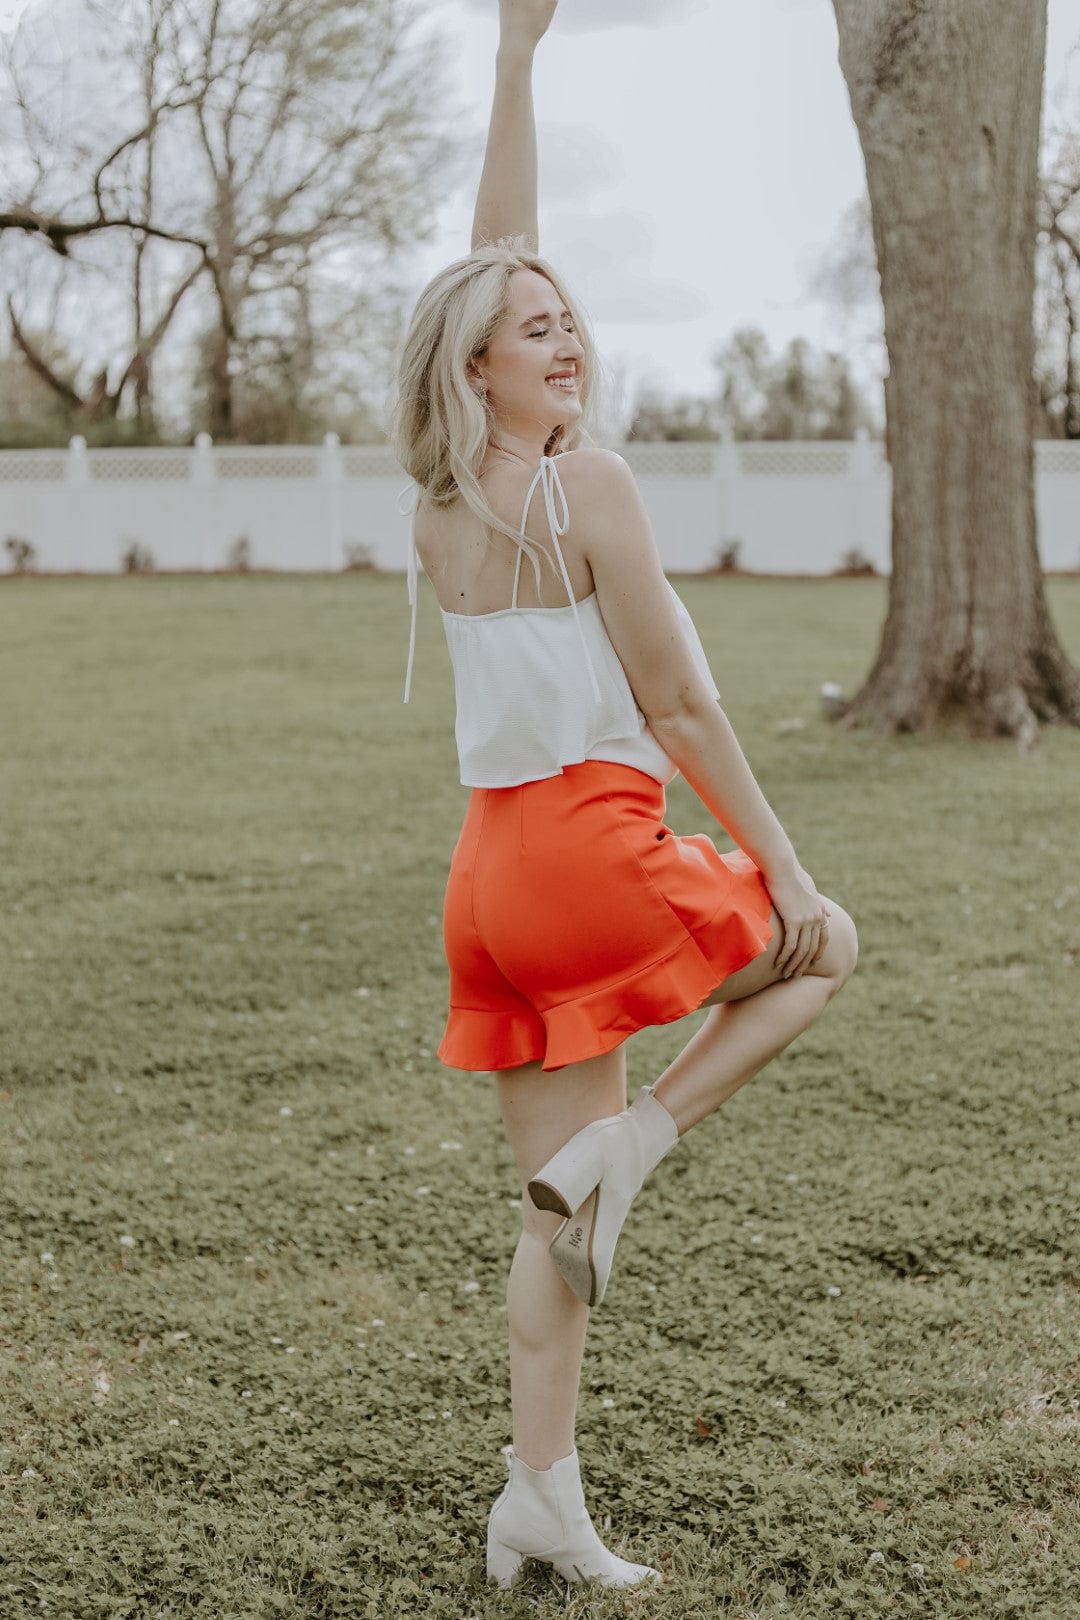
(547, 1321)
(752, 1017)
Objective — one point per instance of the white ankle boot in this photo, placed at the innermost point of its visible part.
(542, 1514)
(593, 1180)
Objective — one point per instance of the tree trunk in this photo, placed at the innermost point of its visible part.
(220, 403)
(947, 96)
(221, 415)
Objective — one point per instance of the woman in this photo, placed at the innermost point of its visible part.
(573, 914)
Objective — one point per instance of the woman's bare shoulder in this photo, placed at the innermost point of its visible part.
(592, 458)
(593, 470)
(593, 478)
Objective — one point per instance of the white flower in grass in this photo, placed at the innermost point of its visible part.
(421, 1191)
(127, 1242)
(286, 1112)
(377, 1321)
(409, 1150)
(46, 1258)
(290, 1349)
(410, 1355)
(470, 1287)
(832, 1292)
(607, 1401)
(276, 1340)
(174, 1423)
(758, 1237)
(29, 1473)
(876, 1558)
(917, 1569)
(448, 1413)
(450, 1147)
(245, 1394)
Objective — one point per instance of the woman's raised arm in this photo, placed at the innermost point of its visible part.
(506, 200)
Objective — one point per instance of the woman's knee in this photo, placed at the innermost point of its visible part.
(537, 1225)
(837, 961)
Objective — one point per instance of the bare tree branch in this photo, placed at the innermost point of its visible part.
(59, 232)
(40, 366)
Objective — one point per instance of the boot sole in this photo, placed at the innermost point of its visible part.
(572, 1250)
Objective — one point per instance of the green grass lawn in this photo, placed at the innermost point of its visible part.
(255, 1236)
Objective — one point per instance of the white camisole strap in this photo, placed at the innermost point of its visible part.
(410, 574)
(547, 474)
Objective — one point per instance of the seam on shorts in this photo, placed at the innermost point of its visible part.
(475, 865)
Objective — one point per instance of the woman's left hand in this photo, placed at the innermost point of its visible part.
(525, 22)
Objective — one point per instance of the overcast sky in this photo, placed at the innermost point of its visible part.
(696, 159)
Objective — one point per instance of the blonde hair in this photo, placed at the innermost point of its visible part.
(439, 428)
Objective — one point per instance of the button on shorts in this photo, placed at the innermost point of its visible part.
(574, 916)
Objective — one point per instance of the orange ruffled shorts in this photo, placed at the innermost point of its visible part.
(574, 916)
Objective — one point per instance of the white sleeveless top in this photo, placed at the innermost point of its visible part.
(539, 688)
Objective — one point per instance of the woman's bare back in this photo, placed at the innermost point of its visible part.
(473, 573)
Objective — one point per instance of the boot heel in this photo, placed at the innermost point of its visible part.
(503, 1563)
(563, 1184)
(545, 1197)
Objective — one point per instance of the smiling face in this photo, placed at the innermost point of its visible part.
(534, 344)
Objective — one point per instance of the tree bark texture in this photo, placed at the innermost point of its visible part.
(947, 96)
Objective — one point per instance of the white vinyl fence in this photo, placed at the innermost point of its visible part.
(793, 508)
